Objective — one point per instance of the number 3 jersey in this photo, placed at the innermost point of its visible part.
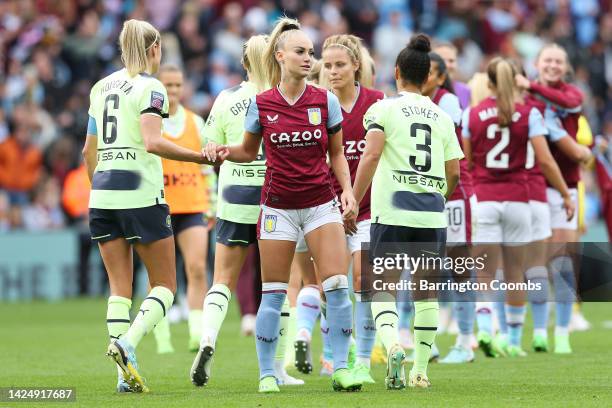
(410, 182)
(295, 138)
(126, 176)
(499, 154)
(353, 135)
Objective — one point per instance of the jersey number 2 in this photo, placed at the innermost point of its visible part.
(425, 148)
(111, 104)
(495, 158)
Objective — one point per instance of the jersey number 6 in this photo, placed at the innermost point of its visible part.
(425, 148)
(109, 119)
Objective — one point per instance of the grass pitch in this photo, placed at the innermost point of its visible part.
(63, 345)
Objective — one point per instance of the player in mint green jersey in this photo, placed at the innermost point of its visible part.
(127, 207)
(412, 160)
(237, 211)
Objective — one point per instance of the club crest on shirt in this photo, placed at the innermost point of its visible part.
(270, 223)
(314, 116)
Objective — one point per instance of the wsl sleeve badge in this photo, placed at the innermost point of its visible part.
(270, 223)
(314, 116)
(157, 100)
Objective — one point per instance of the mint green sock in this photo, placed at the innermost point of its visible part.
(283, 331)
(384, 313)
(118, 316)
(215, 308)
(163, 337)
(290, 337)
(195, 325)
(425, 328)
(151, 312)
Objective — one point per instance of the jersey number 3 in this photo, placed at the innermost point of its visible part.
(111, 104)
(425, 147)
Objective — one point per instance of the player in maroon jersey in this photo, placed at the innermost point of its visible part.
(300, 125)
(460, 208)
(496, 134)
(563, 103)
(343, 64)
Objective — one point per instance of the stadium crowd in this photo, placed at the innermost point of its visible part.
(52, 52)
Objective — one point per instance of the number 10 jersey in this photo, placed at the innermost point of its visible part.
(126, 176)
(410, 182)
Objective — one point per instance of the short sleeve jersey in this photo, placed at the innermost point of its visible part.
(295, 139)
(450, 104)
(126, 176)
(499, 153)
(239, 183)
(410, 182)
(353, 135)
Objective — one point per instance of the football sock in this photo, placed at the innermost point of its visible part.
(327, 351)
(339, 318)
(465, 311)
(365, 329)
(539, 299)
(484, 317)
(118, 316)
(563, 279)
(152, 310)
(515, 317)
(161, 332)
(500, 311)
(425, 328)
(195, 324)
(267, 325)
(291, 329)
(213, 313)
(384, 313)
(283, 333)
(308, 310)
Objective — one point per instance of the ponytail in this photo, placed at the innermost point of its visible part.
(442, 70)
(367, 68)
(135, 40)
(501, 75)
(277, 39)
(252, 60)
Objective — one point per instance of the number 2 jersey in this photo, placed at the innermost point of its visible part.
(126, 176)
(499, 153)
(353, 135)
(295, 138)
(410, 182)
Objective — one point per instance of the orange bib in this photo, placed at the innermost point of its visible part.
(185, 185)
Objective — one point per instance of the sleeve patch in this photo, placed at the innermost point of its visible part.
(157, 100)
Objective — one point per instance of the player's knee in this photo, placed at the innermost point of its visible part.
(195, 269)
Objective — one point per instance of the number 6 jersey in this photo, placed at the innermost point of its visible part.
(410, 181)
(127, 176)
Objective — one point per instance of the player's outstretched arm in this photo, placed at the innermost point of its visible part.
(150, 128)
(341, 171)
(375, 143)
(245, 152)
(451, 168)
(551, 171)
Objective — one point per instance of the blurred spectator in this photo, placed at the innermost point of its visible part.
(20, 164)
(75, 194)
(388, 39)
(45, 211)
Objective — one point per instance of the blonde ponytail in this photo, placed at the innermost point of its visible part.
(277, 38)
(368, 68)
(501, 74)
(136, 38)
(252, 60)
